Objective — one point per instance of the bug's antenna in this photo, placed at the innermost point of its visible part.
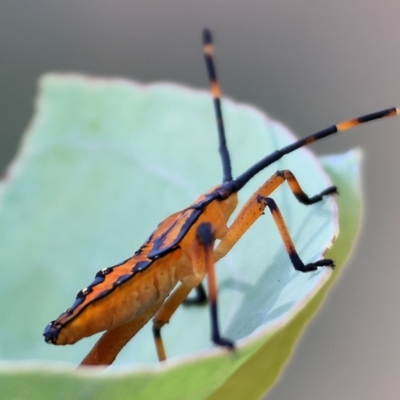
(278, 154)
(208, 51)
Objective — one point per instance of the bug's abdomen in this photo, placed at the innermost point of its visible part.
(117, 295)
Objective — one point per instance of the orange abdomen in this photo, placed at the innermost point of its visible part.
(126, 291)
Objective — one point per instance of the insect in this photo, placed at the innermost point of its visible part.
(180, 253)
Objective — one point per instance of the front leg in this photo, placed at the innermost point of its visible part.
(287, 240)
(255, 207)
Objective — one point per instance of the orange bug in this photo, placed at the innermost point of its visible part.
(180, 253)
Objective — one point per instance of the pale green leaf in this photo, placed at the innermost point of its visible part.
(102, 163)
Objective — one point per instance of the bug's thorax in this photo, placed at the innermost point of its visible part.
(218, 211)
(228, 206)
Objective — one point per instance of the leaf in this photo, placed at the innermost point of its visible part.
(102, 163)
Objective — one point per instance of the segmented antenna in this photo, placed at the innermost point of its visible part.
(278, 154)
(208, 51)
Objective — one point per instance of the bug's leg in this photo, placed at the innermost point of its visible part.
(279, 178)
(199, 299)
(205, 237)
(201, 259)
(287, 240)
(164, 314)
(255, 207)
(298, 192)
(112, 341)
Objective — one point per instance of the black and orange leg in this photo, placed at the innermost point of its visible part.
(253, 209)
(205, 237)
(201, 257)
(285, 175)
(287, 240)
(164, 314)
(298, 192)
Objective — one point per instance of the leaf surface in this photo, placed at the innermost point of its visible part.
(101, 164)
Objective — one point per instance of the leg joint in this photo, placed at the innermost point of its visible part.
(267, 201)
(205, 234)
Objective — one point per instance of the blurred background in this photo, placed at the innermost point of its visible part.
(308, 64)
